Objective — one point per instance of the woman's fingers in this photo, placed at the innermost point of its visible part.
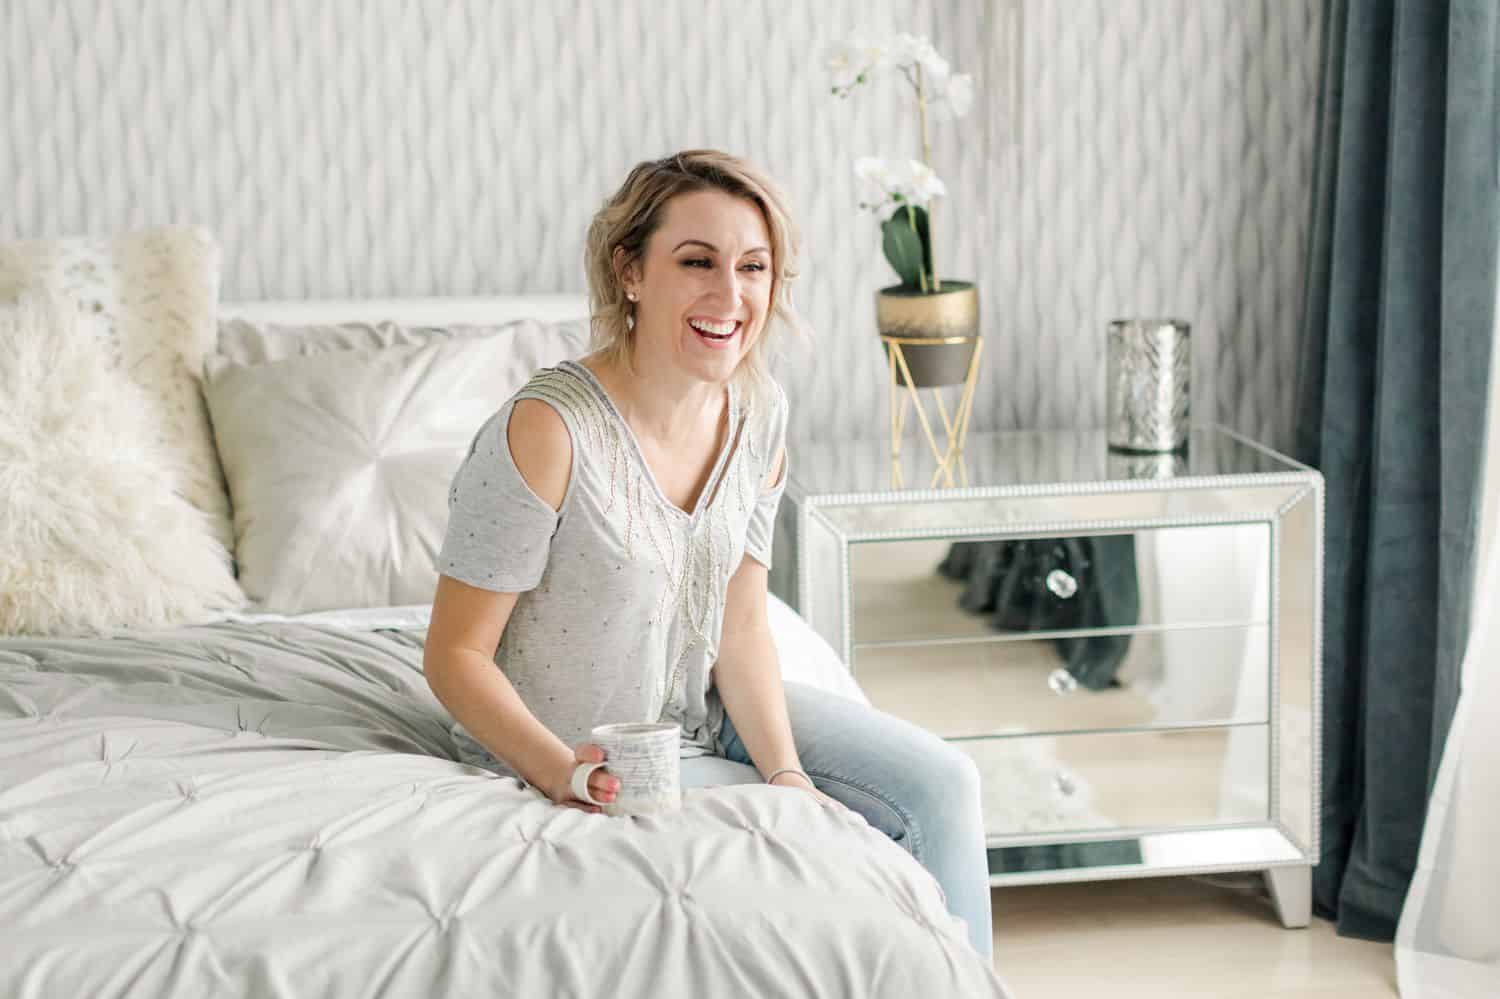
(603, 785)
(831, 802)
(826, 800)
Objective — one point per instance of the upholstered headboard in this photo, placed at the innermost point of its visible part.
(435, 311)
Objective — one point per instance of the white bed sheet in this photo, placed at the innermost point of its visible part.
(276, 808)
(804, 655)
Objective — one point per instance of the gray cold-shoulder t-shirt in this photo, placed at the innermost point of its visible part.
(621, 591)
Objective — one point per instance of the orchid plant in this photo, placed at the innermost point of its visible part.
(900, 191)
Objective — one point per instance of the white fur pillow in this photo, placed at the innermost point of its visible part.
(94, 534)
(154, 294)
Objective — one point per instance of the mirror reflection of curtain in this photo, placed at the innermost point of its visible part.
(1396, 342)
(1064, 856)
(1053, 584)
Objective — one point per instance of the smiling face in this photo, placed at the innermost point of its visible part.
(703, 290)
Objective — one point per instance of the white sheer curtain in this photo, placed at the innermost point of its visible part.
(1448, 940)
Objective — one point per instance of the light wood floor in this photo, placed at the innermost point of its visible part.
(1215, 937)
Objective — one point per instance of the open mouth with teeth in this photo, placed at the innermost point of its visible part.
(715, 333)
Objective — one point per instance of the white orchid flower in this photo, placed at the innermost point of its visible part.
(955, 99)
(916, 50)
(920, 183)
(860, 56)
(876, 183)
(888, 184)
(842, 60)
(854, 59)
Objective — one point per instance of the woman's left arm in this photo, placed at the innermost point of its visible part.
(748, 674)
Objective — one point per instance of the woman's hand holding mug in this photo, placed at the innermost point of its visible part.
(602, 785)
(643, 766)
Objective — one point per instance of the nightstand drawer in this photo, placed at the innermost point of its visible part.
(1122, 781)
(1163, 577)
(1171, 678)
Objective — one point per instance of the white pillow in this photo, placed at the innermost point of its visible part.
(155, 294)
(805, 655)
(244, 342)
(94, 534)
(339, 463)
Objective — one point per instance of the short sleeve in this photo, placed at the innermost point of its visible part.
(499, 532)
(762, 529)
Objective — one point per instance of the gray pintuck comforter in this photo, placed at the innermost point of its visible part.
(277, 809)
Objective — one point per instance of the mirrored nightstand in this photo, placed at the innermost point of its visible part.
(1127, 645)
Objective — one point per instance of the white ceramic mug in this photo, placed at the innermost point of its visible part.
(644, 757)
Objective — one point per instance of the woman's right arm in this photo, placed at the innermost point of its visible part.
(468, 622)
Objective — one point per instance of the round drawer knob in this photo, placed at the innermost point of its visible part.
(1061, 584)
(1061, 681)
(1064, 784)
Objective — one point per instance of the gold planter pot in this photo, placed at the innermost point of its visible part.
(949, 318)
(932, 343)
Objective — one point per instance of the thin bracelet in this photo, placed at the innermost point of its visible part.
(791, 770)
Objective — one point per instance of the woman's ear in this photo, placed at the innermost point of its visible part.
(625, 272)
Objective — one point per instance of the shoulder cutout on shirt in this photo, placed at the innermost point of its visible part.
(541, 448)
(778, 469)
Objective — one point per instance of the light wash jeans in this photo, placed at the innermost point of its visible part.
(908, 783)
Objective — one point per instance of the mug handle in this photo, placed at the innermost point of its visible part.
(580, 782)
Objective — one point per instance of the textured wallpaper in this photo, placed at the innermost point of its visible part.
(1125, 157)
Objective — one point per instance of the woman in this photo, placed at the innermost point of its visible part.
(610, 532)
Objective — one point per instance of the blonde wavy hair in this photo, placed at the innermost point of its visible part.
(633, 213)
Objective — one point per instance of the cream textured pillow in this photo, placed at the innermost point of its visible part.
(537, 343)
(94, 534)
(155, 294)
(339, 462)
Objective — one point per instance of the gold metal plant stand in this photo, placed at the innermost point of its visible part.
(954, 428)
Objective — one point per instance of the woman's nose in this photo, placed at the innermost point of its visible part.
(728, 283)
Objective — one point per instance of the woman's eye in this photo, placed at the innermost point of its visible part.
(708, 263)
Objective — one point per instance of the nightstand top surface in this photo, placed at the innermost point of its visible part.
(1023, 459)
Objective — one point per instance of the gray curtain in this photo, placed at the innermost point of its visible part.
(1396, 339)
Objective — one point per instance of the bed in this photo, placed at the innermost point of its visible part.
(272, 804)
